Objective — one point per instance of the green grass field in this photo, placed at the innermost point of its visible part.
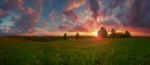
(125, 51)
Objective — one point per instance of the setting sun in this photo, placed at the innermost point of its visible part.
(94, 33)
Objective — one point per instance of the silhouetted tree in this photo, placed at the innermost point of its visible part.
(127, 34)
(65, 36)
(113, 33)
(77, 35)
(102, 33)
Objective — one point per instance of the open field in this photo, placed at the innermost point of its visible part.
(90, 51)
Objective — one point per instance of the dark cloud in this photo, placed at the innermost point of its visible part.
(88, 26)
(26, 22)
(7, 6)
(3, 13)
(71, 6)
(116, 3)
(71, 15)
(28, 15)
(94, 7)
(3, 33)
(139, 15)
(3, 8)
(4, 4)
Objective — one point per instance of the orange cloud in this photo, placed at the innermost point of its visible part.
(71, 6)
(74, 4)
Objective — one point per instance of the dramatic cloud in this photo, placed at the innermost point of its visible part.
(139, 15)
(24, 16)
(94, 7)
(71, 6)
(26, 21)
(74, 4)
(3, 13)
(71, 15)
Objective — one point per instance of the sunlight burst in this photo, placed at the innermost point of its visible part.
(94, 33)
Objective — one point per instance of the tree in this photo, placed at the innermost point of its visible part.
(65, 36)
(127, 34)
(102, 33)
(113, 33)
(77, 35)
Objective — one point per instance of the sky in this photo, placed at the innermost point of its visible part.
(54, 17)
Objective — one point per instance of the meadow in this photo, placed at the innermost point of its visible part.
(83, 51)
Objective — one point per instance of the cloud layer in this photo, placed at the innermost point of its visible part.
(24, 16)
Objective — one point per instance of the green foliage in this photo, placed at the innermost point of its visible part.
(103, 33)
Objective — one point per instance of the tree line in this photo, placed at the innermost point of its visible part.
(76, 36)
(103, 33)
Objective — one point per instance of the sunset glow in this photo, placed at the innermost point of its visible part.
(43, 17)
(94, 33)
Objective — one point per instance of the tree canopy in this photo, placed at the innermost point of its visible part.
(102, 32)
